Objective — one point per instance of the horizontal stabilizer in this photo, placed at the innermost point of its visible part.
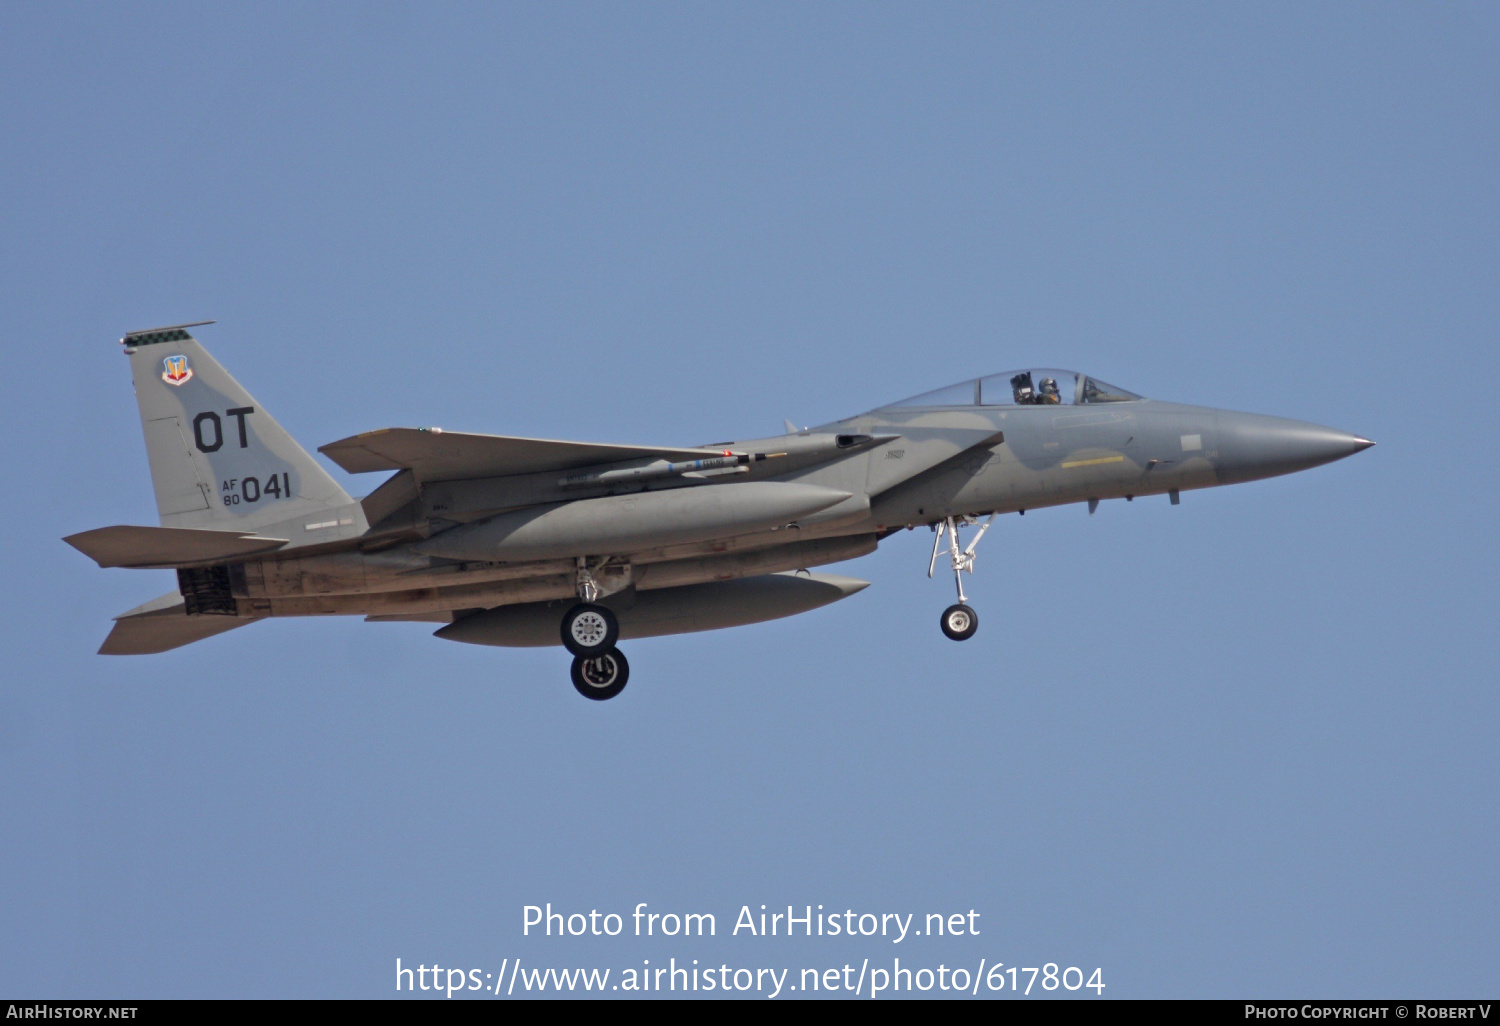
(434, 455)
(165, 547)
(163, 624)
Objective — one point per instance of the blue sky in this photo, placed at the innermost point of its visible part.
(1240, 746)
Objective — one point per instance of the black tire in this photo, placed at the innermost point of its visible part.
(959, 622)
(601, 676)
(589, 629)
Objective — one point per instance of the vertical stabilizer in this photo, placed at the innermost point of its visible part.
(218, 459)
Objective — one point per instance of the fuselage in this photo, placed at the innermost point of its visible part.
(896, 467)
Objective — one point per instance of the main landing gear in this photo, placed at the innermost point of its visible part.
(959, 622)
(590, 631)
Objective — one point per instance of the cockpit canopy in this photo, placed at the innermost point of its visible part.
(1035, 387)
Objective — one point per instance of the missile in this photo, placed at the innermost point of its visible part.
(798, 451)
(694, 607)
(729, 463)
(622, 524)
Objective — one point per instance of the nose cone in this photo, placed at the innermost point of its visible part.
(1252, 446)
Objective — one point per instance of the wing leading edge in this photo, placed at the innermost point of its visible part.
(436, 455)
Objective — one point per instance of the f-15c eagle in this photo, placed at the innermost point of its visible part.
(530, 541)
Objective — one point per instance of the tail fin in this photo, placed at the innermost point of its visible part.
(218, 459)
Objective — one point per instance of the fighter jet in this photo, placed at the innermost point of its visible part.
(530, 541)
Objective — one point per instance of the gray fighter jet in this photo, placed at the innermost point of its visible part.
(529, 541)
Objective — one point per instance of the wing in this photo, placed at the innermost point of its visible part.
(435, 455)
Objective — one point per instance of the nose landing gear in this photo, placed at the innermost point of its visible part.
(959, 622)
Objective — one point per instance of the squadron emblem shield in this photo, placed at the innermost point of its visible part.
(176, 370)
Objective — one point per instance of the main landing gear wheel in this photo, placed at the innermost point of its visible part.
(960, 622)
(589, 629)
(601, 676)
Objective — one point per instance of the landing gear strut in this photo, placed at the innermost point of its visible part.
(959, 622)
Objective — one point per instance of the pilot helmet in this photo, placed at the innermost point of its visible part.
(1049, 386)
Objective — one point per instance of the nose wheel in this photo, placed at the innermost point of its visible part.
(959, 621)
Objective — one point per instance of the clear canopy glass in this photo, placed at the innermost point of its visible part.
(1035, 387)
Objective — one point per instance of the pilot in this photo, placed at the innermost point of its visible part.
(1047, 393)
